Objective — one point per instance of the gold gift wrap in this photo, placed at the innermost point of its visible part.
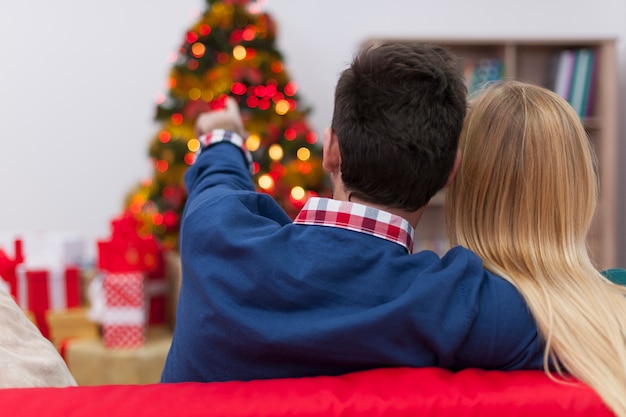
(92, 364)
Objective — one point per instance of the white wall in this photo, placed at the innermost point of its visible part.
(78, 78)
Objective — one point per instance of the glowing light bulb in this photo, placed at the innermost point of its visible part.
(298, 193)
(311, 137)
(207, 95)
(239, 52)
(291, 88)
(290, 134)
(282, 107)
(204, 29)
(161, 165)
(238, 88)
(177, 119)
(193, 145)
(164, 136)
(190, 158)
(303, 154)
(275, 152)
(249, 32)
(195, 93)
(266, 182)
(276, 67)
(198, 50)
(191, 37)
(253, 142)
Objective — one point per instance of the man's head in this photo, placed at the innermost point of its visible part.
(398, 114)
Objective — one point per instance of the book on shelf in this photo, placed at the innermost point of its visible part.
(564, 73)
(575, 79)
(482, 71)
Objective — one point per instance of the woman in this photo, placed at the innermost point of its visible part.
(523, 200)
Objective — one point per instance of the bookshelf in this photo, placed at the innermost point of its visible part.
(536, 61)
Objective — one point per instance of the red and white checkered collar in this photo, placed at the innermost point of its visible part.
(357, 217)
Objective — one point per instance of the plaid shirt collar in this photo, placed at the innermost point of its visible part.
(357, 217)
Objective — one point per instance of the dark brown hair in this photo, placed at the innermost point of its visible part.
(398, 114)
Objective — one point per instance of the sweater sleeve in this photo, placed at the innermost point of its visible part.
(224, 163)
(514, 341)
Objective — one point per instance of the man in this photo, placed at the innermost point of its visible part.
(338, 289)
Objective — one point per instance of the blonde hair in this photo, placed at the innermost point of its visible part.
(523, 200)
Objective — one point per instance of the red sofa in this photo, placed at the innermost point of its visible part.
(380, 392)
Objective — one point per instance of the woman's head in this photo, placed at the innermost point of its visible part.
(527, 185)
(523, 200)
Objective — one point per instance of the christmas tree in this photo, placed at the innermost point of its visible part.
(229, 51)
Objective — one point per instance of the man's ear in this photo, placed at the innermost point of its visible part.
(455, 168)
(331, 157)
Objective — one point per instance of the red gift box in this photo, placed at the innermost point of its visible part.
(124, 317)
(8, 266)
(47, 288)
(126, 251)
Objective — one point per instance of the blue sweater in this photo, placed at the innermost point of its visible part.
(262, 297)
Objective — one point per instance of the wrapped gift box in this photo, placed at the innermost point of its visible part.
(70, 324)
(124, 316)
(128, 252)
(8, 266)
(42, 288)
(65, 247)
(91, 363)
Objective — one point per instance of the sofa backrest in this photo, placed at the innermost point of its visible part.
(380, 392)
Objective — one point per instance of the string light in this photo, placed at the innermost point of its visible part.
(253, 142)
(238, 88)
(198, 50)
(207, 95)
(191, 37)
(303, 154)
(298, 193)
(195, 93)
(282, 107)
(193, 145)
(239, 52)
(207, 68)
(204, 29)
(190, 158)
(248, 33)
(291, 88)
(161, 165)
(164, 136)
(275, 152)
(290, 134)
(177, 119)
(266, 182)
(276, 67)
(311, 137)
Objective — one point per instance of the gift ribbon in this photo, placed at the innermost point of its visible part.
(111, 315)
(124, 316)
(55, 286)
